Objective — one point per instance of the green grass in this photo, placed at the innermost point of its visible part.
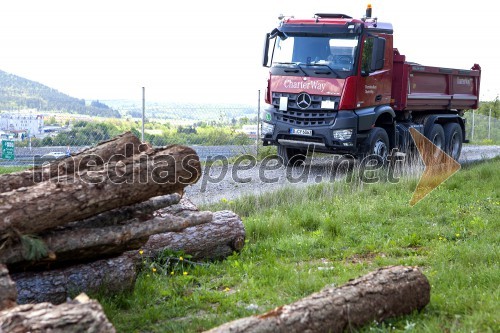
(350, 229)
(11, 169)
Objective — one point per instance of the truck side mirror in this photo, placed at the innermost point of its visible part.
(377, 61)
(265, 58)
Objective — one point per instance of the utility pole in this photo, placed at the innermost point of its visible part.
(143, 111)
(258, 123)
(472, 131)
(489, 125)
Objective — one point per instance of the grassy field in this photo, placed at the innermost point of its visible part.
(298, 241)
(10, 169)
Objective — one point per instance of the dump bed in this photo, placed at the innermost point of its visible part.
(418, 88)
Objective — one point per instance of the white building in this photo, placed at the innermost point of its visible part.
(26, 123)
(250, 131)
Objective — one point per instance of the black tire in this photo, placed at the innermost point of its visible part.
(453, 137)
(436, 136)
(377, 143)
(291, 156)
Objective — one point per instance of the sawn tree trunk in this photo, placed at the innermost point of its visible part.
(120, 182)
(125, 144)
(212, 240)
(385, 293)
(8, 292)
(79, 315)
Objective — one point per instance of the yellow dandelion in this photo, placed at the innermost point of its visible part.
(141, 252)
(154, 270)
(172, 273)
(227, 289)
(181, 258)
(185, 273)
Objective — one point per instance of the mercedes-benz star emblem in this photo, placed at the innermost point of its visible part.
(304, 101)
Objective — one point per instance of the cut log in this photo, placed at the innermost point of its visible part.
(8, 291)
(215, 240)
(57, 285)
(220, 238)
(117, 215)
(126, 144)
(79, 315)
(118, 183)
(91, 230)
(77, 244)
(386, 293)
(184, 206)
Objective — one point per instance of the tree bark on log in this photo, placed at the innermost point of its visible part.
(385, 293)
(16, 251)
(126, 144)
(79, 315)
(120, 182)
(215, 240)
(55, 286)
(78, 244)
(8, 291)
(117, 215)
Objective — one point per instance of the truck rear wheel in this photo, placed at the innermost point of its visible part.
(377, 143)
(436, 136)
(291, 156)
(453, 140)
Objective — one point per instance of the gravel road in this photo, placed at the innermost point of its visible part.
(228, 181)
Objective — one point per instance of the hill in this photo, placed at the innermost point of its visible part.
(20, 93)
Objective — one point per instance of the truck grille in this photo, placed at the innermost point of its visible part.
(312, 116)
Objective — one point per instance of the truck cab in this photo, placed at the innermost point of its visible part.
(330, 88)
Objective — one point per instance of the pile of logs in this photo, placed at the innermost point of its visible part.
(77, 224)
(87, 222)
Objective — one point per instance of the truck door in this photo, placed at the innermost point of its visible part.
(374, 85)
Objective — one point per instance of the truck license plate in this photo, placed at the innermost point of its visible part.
(300, 131)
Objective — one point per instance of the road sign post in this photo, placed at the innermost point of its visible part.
(8, 149)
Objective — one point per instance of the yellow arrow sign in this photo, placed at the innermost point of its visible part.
(439, 166)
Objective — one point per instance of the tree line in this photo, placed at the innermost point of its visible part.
(87, 133)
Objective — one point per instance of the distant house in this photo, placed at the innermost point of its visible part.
(250, 131)
(6, 135)
(21, 124)
(52, 128)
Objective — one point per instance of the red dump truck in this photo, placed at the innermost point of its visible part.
(337, 85)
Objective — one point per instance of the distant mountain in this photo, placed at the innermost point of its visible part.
(20, 93)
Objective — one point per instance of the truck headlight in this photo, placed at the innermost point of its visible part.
(343, 134)
(266, 128)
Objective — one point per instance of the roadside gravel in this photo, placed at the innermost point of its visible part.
(230, 181)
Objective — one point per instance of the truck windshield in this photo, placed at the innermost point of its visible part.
(336, 52)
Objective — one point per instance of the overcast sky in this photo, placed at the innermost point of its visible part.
(210, 51)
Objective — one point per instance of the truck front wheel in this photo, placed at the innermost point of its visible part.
(377, 143)
(453, 140)
(291, 156)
